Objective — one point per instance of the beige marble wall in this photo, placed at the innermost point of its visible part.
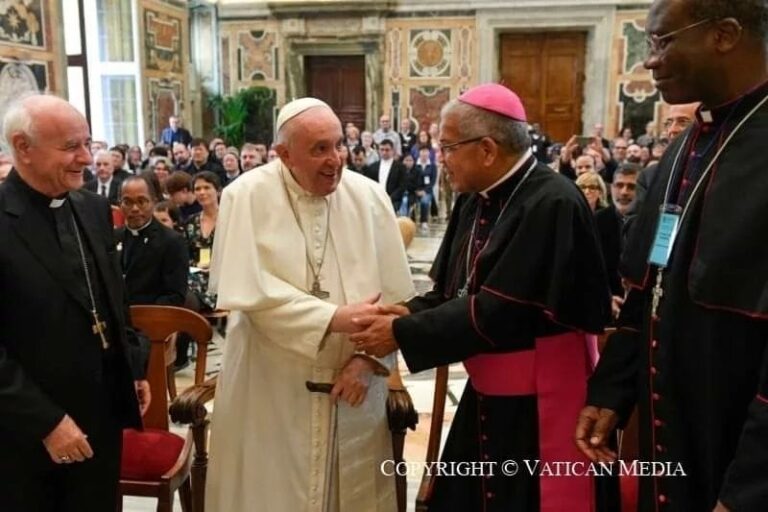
(428, 61)
(633, 99)
(416, 59)
(252, 55)
(32, 56)
(164, 56)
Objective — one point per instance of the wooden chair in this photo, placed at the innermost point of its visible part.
(426, 488)
(189, 409)
(218, 319)
(118, 219)
(155, 461)
(401, 416)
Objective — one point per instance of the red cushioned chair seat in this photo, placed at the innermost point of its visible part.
(148, 455)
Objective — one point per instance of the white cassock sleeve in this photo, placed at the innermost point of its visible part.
(282, 313)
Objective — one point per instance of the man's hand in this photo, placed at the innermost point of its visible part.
(566, 153)
(342, 320)
(394, 309)
(616, 303)
(592, 430)
(352, 383)
(377, 339)
(144, 395)
(66, 443)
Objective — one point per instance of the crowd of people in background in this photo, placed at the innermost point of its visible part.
(185, 176)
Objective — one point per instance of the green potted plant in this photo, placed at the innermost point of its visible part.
(245, 116)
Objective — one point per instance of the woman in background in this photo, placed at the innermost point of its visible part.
(199, 231)
(136, 160)
(162, 168)
(594, 189)
(371, 153)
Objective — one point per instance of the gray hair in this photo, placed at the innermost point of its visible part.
(102, 153)
(17, 119)
(476, 122)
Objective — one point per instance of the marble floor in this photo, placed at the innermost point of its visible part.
(420, 386)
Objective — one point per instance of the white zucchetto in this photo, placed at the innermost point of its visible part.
(296, 107)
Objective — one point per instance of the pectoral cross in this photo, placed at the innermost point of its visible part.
(658, 293)
(317, 292)
(100, 328)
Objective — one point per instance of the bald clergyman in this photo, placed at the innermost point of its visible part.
(302, 247)
(70, 371)
(518, 285)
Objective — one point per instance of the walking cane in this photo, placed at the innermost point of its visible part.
(333, 446)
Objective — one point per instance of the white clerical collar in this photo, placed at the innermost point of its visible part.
(137, 232)
(57, 203)
(509, 173)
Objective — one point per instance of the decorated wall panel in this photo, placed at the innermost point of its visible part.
(164, 32)
(633, 98)
(251, 55)
(428, 62)
(31, 49)
(21, 23)
(162, 42)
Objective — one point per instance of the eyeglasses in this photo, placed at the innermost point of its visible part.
(658, 43)
(142, 203)
(682, 121)
(446, 149)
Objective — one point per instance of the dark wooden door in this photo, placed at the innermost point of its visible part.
(340, 82)
(547, 71)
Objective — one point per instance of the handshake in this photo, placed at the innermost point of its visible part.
(369, 325)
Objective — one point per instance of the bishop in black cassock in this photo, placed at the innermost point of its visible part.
(520, 289)
(64, 374)
(692, 348)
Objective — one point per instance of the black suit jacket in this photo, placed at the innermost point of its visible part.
(213, 167)
(121, 174)
(51, 364)
(168, 136)
(158, 266)
(113, 195)
(397, 181)
(610, 228)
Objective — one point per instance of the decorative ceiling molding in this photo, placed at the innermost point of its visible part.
(244, 9)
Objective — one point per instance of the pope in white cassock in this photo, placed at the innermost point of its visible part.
(302, 249)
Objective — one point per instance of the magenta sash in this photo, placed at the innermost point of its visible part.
(556, 371)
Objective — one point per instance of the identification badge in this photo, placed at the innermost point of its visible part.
(427, 181)
(205, 257)
(666, 232)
